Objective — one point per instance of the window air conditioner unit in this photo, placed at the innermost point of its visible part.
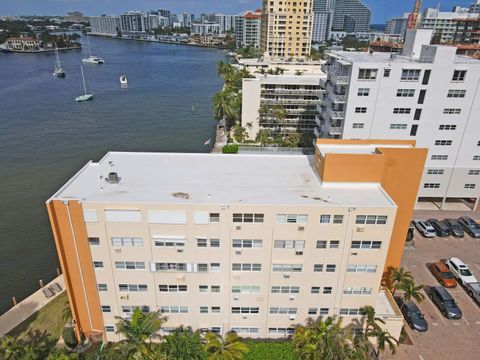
(298, 252)
(238, 252)
(301, 228)
(244, 317)
(238, 228)
(123, 298)
(360, 229)
(236, 298)
(354, 253)
(118, 250)
(292, 297)
(179, 250)
(286, 276)
(292, 317)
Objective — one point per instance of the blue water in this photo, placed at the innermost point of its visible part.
(45, 136)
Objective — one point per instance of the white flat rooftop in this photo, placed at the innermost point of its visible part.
(355, 149)
(215, 179)
(384, 57)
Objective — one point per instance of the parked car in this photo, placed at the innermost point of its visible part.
(445, 303)
(442, 274)
(473, 289)
(425, 228)
(470, 226)
(440, 227)
(455, 227)
(461, 271)
(412, 314)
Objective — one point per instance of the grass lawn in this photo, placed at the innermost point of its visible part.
(45, 324)
(270, 351)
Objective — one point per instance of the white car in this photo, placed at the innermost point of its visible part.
(461, 271)
(425, 228)
(473, 290)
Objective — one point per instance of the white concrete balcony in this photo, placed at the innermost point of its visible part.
(318, 121)
(331, 130)
(337, 99)
(337, 79)
(335, 115)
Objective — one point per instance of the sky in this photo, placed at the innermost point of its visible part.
(382, 9)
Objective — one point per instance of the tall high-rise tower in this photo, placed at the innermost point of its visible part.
(286, 28)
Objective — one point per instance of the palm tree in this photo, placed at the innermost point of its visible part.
(370, 319)
(183, 344)
(223, 105)
(240, 134)
(230, 348)
(398, 277)
(384, 339)
(263, 137)
(412, 291)
(137, 330)
(67, 314)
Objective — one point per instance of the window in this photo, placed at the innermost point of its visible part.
(318, 268)
(287, 267)
(215, 267)
(476, 157)
(443, 142)
(245, 310)
(367, 74)
(245, 289)
(203, 288)
(459, 75)
(456, 93)
(248, 218)
(169, 241)
(362, 268)
(106, 308)
(413, 130)
(327, 290)
(360, 110)
(201, 242)
(447, 127)
(418, 114)
(127, 241)
(214, 217)
(244, 330)
(214, 242)
(363, 92)
(292, 219)
(439, 157)
(174, 309)
(128, 309)
(421, 97)
(358, 125)
(130, 265)
(215, 309)
(402, 111)
(351, 311)
(172, 288)
(246, 267)
(474, 172)
(246, 243)
(315, 290)
(283, 310)
(132, 287)
(334, 244)
(203, 309)
(102, 287)
(405, 92)
(331, 267)
(426, 77)
(435, 172)
(323, 311)
(280, 331)
(93, 241)
(312, 311)
(371, 219)
(386, 72)
(289, 244)
(470, 186)
(431, 186)
(324, 219)
(398, 126)
(215, 288)
(109, 328)
(338, 219)
(202, 267)
(410, 75)
(452, 111)
(366, 244)
(98, 264)
(357, 291)
(170, 267)
(285, 290)
(321, 244)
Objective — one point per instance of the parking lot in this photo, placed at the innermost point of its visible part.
(445, 339)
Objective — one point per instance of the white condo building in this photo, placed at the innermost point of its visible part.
(205, 28)
(105, 25)
(428, 94)
(322, 24)
(247, 29)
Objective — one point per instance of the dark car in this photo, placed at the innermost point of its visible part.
(440, 227)
(412, 314)
(455, 227)
(445, 303)
(470, 226)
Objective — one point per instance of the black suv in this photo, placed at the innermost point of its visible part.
(445, 303)
(470, 226)
(440, 228)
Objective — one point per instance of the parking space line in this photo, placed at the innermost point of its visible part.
(466, 322)
(478, 267)
(429, 273)
(420, 357)
(435, 308)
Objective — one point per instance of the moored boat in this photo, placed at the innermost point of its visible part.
(85, 96)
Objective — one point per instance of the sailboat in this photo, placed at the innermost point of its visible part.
(86, 96)
(92, 59)
(123, 81)
(58, 71)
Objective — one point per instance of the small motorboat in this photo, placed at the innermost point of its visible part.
(208, 142)
(123, 80)
(93, 60)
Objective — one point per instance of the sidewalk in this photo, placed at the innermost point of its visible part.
(26, 308)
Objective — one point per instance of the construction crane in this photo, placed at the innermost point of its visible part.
(414, 17)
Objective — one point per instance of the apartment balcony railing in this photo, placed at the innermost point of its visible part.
(335, 115)
(338, 79)
(318, 121)
(291, 102)
(317, 132)
(337, 99)
(292, 91)
(331, 130)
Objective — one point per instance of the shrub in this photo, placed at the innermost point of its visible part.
(69, 337)
(270, 350)
(230, 149)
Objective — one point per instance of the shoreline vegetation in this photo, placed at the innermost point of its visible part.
(38, 51)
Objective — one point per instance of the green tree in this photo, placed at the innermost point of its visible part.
(183, 344)
(138, 333)
(412, 291)
(240, 134)
(61, 355)
(398, 277)
(263, 137)
(14, 349)
(371, 320)
(223, 106)
(383, 340)
(292, 140)
(230, 348)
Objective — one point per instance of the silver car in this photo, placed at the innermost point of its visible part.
(425, 228)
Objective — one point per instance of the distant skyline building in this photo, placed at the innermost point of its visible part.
(205, 28)
(75, 16)
(134, 22)
(104, 25)
(227, 22)
(397, 25)
(286, 30)
(322, 24)
(350, 15)
(248, 28)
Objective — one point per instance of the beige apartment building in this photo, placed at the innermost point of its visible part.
(286, 30)
(250, 243)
